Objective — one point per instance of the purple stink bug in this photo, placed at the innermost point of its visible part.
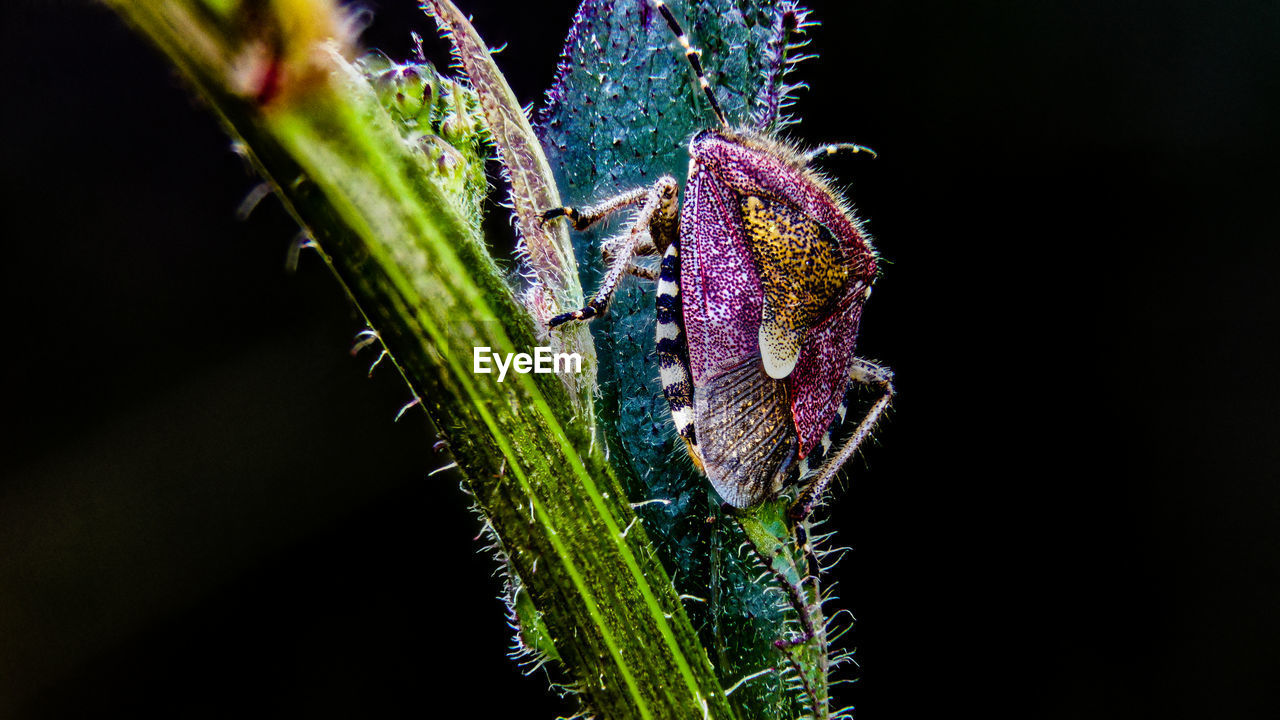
(763, 277)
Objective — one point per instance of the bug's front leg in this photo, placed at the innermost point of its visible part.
(655, 228)
(820, 467)
(583, 218)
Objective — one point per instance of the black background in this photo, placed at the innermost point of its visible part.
(206, 510)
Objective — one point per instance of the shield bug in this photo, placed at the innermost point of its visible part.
(763, 276)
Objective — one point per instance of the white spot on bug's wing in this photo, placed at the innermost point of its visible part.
(668, 331)
(682, 418)
(779, 349)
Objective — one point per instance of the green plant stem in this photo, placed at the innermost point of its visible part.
(413, 262)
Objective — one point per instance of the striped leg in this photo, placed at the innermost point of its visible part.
(694, 56)
(837, 148)
(819, 467)
(673, 352)
(654, 229)
(588, 216)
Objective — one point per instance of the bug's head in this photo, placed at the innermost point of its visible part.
(711, 142)
(667, 188)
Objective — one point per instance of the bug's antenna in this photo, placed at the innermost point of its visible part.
(694, 55)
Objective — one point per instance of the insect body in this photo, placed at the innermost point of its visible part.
(763, 277)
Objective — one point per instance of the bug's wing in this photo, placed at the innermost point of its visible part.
(802, 271)
(722, 295)
(818, 261)
(742, 416)
(747, 214)
(812, 305)
(818, 382)
(744, 431)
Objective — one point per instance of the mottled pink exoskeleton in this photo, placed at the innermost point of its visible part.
(764, 274)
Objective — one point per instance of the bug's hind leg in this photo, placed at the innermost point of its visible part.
(654, 229)
(819, 468)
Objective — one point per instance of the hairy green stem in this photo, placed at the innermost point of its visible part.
(409, 253)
